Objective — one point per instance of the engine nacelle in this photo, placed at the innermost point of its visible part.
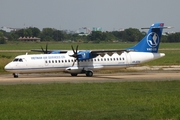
(74, 70)
(85, 55)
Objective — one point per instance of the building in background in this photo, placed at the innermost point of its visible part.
(32, 39)
(97, 29)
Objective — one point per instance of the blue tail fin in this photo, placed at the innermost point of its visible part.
(150, 43)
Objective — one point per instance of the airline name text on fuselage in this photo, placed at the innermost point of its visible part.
(47, 57)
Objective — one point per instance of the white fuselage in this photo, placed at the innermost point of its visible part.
(63, 62)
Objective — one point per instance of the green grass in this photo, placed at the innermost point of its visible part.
(169, 45)
(91, 101)
(61, 46)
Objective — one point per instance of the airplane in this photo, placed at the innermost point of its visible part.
(77, 61)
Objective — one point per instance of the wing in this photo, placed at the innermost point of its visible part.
(50, 51)
(88, 54)
(109, 52)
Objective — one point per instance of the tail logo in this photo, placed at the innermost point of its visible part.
(152, 39)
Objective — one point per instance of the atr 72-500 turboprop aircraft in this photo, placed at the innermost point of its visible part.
(85, 61)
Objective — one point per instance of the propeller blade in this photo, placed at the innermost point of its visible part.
(78, 63)
(73, 49)
(46, 48)
(45, 51)
(73, 62)
(76, 49)
(42, 49)
(75, 55)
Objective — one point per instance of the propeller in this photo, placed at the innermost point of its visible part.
(75, 55)
(46, 50)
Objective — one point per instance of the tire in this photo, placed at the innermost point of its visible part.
(74, 74)
(89, 73)
(15, 75)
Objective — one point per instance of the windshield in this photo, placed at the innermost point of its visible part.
(18, 60)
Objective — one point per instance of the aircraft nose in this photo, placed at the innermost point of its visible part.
(7, 67)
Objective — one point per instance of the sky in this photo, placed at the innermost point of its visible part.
(74, 14)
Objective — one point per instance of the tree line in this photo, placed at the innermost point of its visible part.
(50, 34)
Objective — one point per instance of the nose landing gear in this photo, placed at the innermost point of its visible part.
(15, 75)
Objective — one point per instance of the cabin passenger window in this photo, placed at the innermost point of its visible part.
(59, 61)
(49, 61)
(55, 61)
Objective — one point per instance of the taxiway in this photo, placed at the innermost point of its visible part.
(66, 78)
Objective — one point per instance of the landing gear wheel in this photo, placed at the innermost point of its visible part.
(89, 73)
(74, 74)
(15, 75)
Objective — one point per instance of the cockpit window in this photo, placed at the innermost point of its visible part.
(17, 60)
(20, 60)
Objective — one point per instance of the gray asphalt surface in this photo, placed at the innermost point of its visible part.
(67, 78)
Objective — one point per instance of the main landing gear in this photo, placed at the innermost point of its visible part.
(15, 75)
(88, 73)
(74, 74)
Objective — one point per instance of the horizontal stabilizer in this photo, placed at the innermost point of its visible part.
(165, 27)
